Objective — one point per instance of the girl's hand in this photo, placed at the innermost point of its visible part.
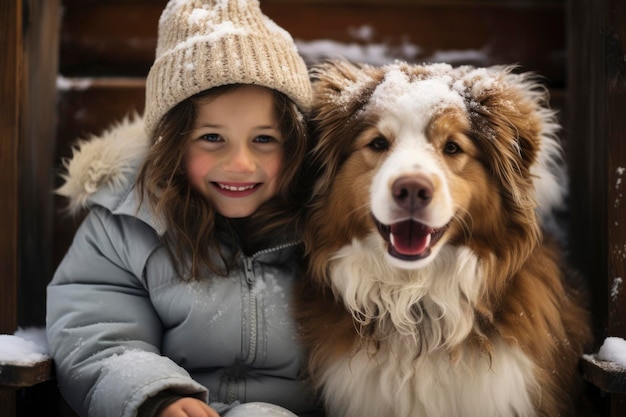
(188, 407)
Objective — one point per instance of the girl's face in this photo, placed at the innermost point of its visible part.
(234, 155)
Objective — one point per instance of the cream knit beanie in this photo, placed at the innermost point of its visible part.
(208, 43)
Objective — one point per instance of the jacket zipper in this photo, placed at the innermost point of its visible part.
(234, 380)
(248, 263)
(253, 336)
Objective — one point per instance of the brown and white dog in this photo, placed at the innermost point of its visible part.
(431, 288)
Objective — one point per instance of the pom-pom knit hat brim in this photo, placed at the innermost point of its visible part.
(209, 43)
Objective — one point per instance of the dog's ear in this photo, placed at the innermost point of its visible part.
(511, 117)
(341, 89)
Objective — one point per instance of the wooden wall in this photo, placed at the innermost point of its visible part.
(597, 155)
(29, 30)
(9, 142)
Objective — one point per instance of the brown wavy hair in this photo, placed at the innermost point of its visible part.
(197, 237)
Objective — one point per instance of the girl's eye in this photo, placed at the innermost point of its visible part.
(451, 148)
(379, 144)
(211, 137)
(264, 139)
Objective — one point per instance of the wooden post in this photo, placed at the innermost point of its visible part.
(37, 157)
(597, 151)
(29, 30)
(10, 95)
(10, 101)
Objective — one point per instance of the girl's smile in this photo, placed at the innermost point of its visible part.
(235, 155)
(235, 190)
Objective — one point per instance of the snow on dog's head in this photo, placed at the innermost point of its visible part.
(413, 158)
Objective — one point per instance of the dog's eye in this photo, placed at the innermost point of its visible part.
(379, 144)
(451, 148)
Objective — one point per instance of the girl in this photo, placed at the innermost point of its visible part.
(173, 299)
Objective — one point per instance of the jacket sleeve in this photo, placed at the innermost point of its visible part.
(103, 332)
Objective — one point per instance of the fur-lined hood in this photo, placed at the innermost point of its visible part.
(109, 160)
(103, 169)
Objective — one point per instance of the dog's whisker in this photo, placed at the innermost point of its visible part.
(462, 216)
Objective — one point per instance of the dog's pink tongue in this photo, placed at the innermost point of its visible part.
(410, 237)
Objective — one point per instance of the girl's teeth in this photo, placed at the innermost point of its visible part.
(234, 188)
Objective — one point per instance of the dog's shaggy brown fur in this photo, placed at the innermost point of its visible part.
(471, 311)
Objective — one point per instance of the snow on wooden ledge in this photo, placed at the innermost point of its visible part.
(25, 347)
(606, 369)
(24, 359)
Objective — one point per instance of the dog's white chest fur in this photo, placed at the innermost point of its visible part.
(393, 384)
(429, 309)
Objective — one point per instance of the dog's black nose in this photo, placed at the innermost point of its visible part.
(412, 192)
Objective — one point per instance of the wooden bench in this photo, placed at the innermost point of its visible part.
(14, 376)
(607, 376)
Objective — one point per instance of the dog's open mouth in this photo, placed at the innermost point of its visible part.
(410, 240)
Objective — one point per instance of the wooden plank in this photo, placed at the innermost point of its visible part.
(10, 95)
(615, 70)
(608, 376)
(10, 33)
(7, 403)
(615, 67)
(588, 180)
(86, 107)
(21, 376)
(501, 32)
(597, 81)
(598, 152)
(36, 157)
(27, 100)
(530, 33)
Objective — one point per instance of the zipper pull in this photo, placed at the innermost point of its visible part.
(249, 270)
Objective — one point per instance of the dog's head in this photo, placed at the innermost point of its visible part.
(422, 156)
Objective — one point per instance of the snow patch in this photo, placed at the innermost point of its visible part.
(616, 288)
(74, 83)
(198, 16)
(618, 185)
(370, 53)
(613, 350)
(460, 55)
(25, 347)
(425, 97)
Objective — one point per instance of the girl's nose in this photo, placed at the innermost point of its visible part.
(240, 160)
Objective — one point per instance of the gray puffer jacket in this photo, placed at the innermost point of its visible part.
(123, 327)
